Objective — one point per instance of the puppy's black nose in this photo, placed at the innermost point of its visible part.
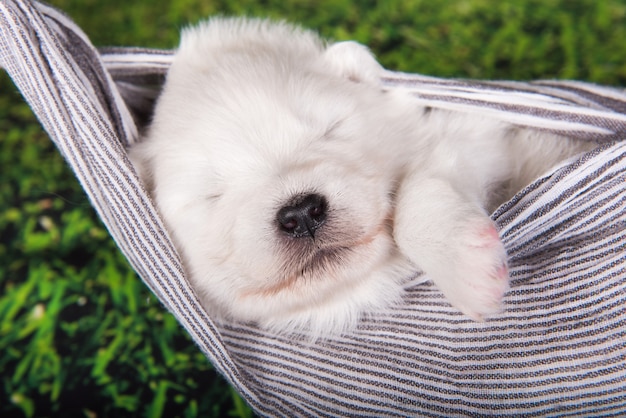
(303, 217)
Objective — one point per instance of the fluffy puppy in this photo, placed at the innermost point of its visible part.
(302, 195)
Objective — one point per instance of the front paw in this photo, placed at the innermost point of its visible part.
(454, 242)
(476, 277)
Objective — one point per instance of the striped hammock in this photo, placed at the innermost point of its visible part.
(558, 349)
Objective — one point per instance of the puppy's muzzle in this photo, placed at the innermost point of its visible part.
(302, 217)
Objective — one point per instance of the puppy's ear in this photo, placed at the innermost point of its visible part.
(353, 61)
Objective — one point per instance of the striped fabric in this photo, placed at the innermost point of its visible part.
(559, 348)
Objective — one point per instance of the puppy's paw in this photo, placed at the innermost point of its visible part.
(479, 276)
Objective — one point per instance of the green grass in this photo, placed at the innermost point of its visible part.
(80, 335)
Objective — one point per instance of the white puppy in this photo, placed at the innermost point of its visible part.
(301, 195)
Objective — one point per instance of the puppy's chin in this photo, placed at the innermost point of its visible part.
(326, 293)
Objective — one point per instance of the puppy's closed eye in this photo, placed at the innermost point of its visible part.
(213, 197)
(331, 131)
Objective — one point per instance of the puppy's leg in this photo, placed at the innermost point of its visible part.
(453, 240)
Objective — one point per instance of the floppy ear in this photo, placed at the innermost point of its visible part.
(353, 61)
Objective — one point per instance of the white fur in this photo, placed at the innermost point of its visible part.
(255, 113)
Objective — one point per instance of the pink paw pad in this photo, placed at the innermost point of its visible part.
(501, 276)
(487, 237)
(503, 272)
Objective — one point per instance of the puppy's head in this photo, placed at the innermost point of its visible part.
(273, 159)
